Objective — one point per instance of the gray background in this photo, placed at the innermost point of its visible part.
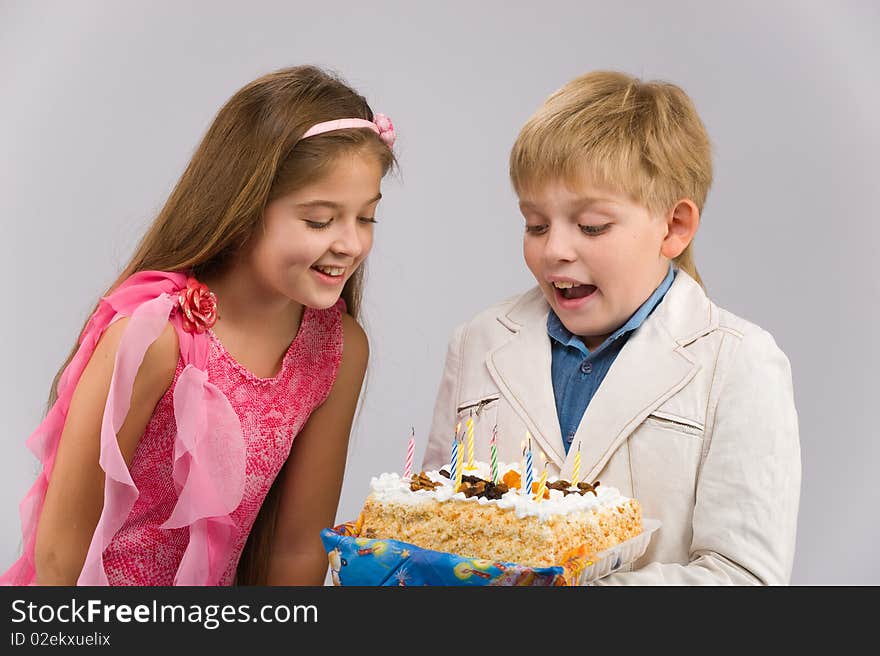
(104, 102)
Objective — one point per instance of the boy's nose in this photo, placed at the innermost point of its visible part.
(559, 246)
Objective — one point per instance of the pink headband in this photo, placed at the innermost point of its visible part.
(380, 124)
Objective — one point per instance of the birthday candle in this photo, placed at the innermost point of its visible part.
(470, 441)
(453, 463)
(410, 452)
(494, 455)
(528, 487)
(459, 468)
(576, 473)
(542, 483)
(454, 449)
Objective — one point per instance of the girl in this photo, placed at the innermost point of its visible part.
(197, 434)
(618, 354)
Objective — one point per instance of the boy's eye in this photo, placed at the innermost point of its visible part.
(317, 225)
(536, 229)
(593, 229)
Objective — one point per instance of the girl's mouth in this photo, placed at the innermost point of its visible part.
(329, 274)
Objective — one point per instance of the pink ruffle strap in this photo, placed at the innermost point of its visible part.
(209, 465)
(209, 451)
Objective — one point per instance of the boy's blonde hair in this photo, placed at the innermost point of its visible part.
(643, 139)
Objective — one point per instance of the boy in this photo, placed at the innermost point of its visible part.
(619, 353)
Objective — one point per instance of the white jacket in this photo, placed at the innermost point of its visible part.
(695, 419)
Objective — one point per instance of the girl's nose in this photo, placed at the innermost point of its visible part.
(348, 242)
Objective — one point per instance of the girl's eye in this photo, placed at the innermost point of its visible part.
(317, 225)
(367, 219)
(593, 229)
(536, 229)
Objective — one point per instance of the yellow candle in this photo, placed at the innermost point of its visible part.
(458, 468)
(542, 482)
(576, 473)
(470, 442)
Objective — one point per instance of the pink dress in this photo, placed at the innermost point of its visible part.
(181, 513)
(272, 411)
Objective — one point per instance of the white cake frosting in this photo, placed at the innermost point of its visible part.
(392, 488)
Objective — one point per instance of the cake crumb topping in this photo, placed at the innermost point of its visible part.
(566, 488)
(422, 482)
(474, 486)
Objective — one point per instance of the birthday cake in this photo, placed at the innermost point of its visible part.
(498, 520)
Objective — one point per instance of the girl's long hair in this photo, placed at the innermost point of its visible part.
(250, 155)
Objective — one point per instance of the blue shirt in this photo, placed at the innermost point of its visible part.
(577, 372)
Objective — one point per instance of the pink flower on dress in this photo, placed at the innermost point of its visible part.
(386, 129)
(199, 307)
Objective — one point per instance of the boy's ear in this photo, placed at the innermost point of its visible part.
(681, 226)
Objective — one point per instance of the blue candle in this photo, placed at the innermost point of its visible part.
(454, 460)
(528, 486)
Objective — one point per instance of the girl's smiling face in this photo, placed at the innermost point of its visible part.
(316, 237)
(596, 254)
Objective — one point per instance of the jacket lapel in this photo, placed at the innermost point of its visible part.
(649, 369)
(652, 366)
(521, 369)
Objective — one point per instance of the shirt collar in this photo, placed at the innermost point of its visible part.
(563, 336)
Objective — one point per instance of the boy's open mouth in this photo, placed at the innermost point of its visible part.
(570, 290)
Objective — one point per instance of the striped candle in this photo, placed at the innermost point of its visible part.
(454, 460)
(576, 472)
(454, 451)
(470, 442)
(493, 449)
(542, 483)
(410, 452)
(528, 487)
(458, 467)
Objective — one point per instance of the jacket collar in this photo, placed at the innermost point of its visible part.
(652, 366)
